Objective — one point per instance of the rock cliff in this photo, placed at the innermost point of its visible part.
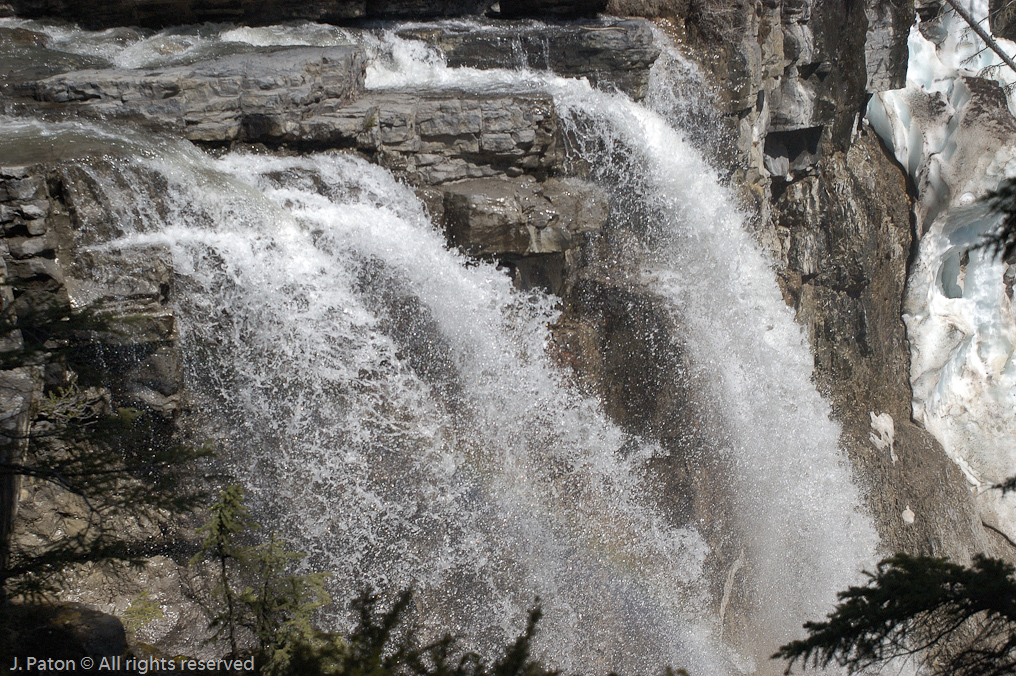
(791, 80)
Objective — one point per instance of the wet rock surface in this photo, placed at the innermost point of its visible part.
(436, 137)
(51, 215)
(610, 54)
(846, 252)
(536, 229)
(243, 97)
(313, 98)
(496, 216)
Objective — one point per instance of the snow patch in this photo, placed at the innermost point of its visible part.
(883, 433)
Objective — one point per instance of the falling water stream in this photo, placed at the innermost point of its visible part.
(392, 410)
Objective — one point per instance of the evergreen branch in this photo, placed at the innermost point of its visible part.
(957, 621)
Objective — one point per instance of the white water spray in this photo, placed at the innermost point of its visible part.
(392, 410)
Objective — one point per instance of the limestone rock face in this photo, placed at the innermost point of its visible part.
(314, 98)
(846, 250)
(234, 97)
(611, 55)
(789, 74)
(441, 136)
(51, 215)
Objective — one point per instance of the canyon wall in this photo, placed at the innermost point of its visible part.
(792, 81)
(789, 81)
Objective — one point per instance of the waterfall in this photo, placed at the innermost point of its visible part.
(391, 408)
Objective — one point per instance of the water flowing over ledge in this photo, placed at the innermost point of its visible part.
(392, 407)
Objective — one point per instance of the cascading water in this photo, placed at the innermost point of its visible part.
(392, 410)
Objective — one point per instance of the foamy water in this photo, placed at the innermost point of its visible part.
(391, 408)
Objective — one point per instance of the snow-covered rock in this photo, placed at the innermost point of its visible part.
(953, 131)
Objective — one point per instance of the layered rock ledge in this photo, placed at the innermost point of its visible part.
(611, 54)
(239, 97)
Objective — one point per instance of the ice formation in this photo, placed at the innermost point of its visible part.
(958, 307)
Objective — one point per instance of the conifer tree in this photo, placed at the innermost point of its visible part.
(949, 619)
(263, 609)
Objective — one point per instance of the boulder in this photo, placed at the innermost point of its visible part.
(610, 54)
(499, 216)
(69, 631)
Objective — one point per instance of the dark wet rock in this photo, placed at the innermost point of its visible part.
(424, 9)
(551, 8)
(20, 37)
(162, 13)
(1002, 19)
(69, 631)
(51, 214)
(610, 54)
(627, 348)
(21, 65)
(20, 389)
